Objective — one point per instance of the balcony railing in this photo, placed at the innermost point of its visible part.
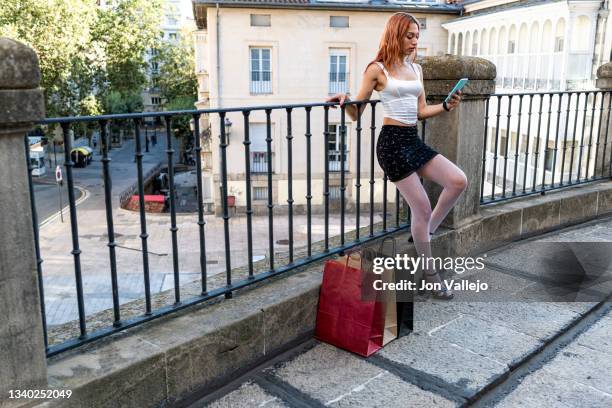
(259, 162)
(552, 140)
(365, 185)
(261, 87)
(337, 86)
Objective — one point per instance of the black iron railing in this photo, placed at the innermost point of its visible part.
(535, 142)
(309, 254)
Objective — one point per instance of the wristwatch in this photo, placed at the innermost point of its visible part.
(445, 106)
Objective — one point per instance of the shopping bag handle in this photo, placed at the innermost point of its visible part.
(382, 243)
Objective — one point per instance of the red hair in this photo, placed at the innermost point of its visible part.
(390, 48)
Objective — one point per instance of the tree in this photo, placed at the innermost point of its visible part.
(85, 50)
(125, 32)
(178, 85)
(59, 32)
(176, 79)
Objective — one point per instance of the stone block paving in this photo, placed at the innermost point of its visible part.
(461, 353)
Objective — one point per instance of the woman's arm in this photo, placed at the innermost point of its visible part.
(427, 111)
(365, 92)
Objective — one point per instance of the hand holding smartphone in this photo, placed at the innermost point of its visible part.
(458, 86)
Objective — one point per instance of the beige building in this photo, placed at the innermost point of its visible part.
(294, 52)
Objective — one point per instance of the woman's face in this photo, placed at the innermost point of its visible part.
(411, 39)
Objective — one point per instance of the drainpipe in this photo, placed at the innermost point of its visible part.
(218, 63)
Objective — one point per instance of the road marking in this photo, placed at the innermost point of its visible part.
(84, 196)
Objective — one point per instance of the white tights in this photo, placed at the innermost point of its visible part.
(423, 220)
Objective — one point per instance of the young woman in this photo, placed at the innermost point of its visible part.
(400, 152)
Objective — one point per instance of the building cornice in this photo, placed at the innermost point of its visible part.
(437, 8)
(503, 12)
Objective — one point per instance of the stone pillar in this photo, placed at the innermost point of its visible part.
(604, 150)
(458, 134)
(22, 356)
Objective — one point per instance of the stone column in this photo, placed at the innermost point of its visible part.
(458, 135)
(22, 359)
(604, 150)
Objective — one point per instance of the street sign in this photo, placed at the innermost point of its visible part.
(58, 174)
(60, 183)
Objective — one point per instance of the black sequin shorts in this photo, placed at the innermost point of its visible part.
(400, 151)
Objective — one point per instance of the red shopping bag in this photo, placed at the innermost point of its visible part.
(343, 319)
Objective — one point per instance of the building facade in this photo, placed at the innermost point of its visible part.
(545, 47)
(294, 52)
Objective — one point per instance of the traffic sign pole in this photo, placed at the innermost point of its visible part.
(59, 181)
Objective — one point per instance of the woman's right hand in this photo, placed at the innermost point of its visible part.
(340, 97)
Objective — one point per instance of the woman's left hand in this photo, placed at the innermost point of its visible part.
(455, 100)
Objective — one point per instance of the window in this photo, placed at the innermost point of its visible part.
(261, 82)
(334, 145)
(558, 44)
(260, 193)
(339, 21)
(423, 23)
(173, 36)
(511, 47)
(259, 147)
(260, 20)
(154, 67)
(338, 71)
(155, 100)
(549, 155)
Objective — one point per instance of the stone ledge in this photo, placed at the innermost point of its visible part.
(160, 363)
(168, 360)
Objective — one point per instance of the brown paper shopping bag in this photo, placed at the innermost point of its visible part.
(386, 299)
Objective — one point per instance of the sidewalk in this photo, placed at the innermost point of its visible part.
(506, 354)
(56, 237)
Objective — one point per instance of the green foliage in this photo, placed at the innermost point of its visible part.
(180, 124)
(59, 31)
(124, 33)
(122, 102)
(86, 52)
(176, 79)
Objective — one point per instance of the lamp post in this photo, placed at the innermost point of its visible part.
(146, 137)
(228, 127)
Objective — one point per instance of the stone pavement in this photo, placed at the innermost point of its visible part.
(525, 352)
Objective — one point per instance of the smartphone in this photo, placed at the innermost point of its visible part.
(458, 86)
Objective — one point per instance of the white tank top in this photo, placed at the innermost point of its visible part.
(400, 97)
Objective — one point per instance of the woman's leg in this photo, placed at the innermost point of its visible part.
(442, 171)
(420, 218)
(420, 211)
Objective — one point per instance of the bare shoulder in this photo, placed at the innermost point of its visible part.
(373, 70)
